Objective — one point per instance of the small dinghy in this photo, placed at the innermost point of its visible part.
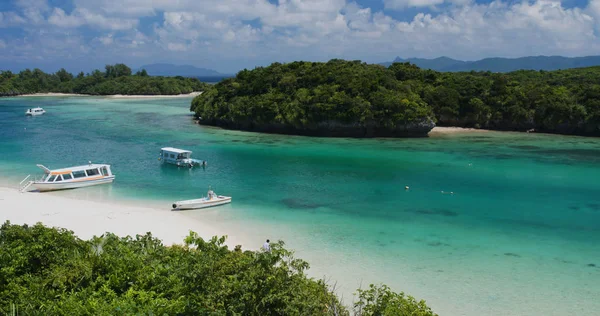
(211, 200)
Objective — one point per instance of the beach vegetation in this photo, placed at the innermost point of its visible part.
(337, 98)
(49, 271)
(365, 100)
(116, 79)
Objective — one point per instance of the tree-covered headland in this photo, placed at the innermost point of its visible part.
(48, 271)
(116, 79)
(350, 98)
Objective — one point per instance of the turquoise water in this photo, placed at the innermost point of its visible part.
(518, 235)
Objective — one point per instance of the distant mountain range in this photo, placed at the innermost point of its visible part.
(497, 64)
(180, 70)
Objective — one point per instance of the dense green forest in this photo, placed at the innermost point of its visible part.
(337, 98)
(116, 79)
(48, 271)
(350, 98)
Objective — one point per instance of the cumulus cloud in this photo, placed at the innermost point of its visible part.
(402, 4)
(81, 17)
(106, 40)
(261, 31)
(9, 19)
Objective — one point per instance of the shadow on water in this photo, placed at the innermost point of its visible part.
(297, 203)
(440, 212)
(525, 147)
(171, 170)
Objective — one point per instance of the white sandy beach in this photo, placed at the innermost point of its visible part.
(88, 218)
(116, 96)
(442, 130)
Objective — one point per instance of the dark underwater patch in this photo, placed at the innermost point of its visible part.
(525, 147)
(294, 203)
(577, 152)
(593, 206)
(437, 244)
(510, 254)
(441, 212)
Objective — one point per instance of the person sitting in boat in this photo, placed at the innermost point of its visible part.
(211, 194)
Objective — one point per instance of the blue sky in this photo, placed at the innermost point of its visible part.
(228, 35)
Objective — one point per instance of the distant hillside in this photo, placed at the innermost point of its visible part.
(171, 70)
(497, 64)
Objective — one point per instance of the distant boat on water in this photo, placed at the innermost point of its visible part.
(179, 157)
(35, 111)
(70, 178)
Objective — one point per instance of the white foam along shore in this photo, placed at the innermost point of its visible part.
(88, 218)
(115, 96)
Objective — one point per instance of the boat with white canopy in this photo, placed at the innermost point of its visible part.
(35, 111)
(179, 157)
(70, 178)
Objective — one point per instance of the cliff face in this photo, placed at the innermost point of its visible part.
(330, 128)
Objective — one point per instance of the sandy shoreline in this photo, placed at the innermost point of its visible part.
(443, 130)
(88, 218)
(115, 96)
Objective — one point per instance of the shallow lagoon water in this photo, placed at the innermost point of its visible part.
(517, 236)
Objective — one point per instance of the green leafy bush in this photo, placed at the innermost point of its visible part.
(47, 271)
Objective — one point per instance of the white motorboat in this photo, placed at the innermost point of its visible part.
(211, 200)
(70, 178)
(179, 157)
(35, 111)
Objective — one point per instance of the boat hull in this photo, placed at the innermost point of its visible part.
(65, 185)
(200, 203)
(188, 164)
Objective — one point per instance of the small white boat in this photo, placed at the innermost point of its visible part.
(35, 111)
(71, 178)
(179, 157)
(211, 200)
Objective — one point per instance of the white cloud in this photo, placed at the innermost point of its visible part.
(2, 44)
(81, 17)
(106, 40)
(402, 4)
(250, 32)
(8, 19)
(177, 47)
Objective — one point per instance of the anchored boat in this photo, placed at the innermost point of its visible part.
(70, 178)
(179, 157)
(35, 111)
(211, 200)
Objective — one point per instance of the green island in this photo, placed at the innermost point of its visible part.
(116, 79)
(49, 271)
(355, 99)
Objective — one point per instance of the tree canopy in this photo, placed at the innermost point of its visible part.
(338, 98)
(116, 79)
(48, 271)
(301, 97)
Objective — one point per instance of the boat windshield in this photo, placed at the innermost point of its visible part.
(183, 156)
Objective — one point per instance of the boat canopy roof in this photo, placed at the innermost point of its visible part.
(71, 169)
(175, 150)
